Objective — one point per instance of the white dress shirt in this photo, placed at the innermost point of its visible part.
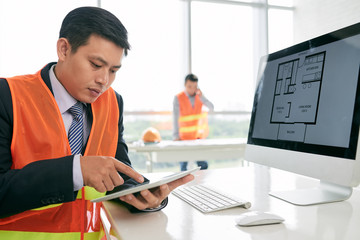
(65, 101)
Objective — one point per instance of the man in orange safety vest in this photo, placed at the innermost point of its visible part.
(61, 137)
(189, 120)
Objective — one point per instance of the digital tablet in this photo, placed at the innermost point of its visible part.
(149, 185)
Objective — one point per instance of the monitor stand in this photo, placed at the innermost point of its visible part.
(325, 193)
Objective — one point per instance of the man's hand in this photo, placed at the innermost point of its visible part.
(102, 174)
(152, 198)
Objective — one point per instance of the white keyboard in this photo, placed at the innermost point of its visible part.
(207, 199)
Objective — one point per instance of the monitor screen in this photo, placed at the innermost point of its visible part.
(307, 101)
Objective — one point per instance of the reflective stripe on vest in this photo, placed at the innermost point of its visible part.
(193, 122)
(198, 128)
(16, 235)
(39, 133)
(90, 193)
(193, 117)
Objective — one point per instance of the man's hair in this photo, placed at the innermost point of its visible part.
(191, 77)
(81, 23)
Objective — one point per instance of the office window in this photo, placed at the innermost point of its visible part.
(222, 46)
(227, 38)
(29, 31)
(151, 74)
(285, 3)
(222, 54)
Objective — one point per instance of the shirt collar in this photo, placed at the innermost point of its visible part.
(189, 95)
(62, 97)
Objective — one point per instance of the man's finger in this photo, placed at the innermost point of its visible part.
(116, 178)
(100, 187)
(107, 181)
(134, 201)
(174, 184)
(125, 169)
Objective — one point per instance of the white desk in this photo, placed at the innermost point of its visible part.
(191, 150)
(335, 221)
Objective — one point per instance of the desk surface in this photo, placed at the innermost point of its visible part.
(191, 150)
(179, 220)
(168, 145)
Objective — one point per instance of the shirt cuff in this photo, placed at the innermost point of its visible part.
(77, 174)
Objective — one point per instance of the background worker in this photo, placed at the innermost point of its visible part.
(189, 120)
(61, 136)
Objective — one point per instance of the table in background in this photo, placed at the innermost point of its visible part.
(334, 221)
(190, 150)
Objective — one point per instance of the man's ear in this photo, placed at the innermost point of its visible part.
(63, 48)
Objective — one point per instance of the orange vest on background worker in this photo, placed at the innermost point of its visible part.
(39, 133)
(193, 123)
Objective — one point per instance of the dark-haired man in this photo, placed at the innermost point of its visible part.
(61, 136)
(189, 120)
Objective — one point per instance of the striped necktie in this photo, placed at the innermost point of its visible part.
(76, 128)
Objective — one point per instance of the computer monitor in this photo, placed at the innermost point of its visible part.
(306, 115)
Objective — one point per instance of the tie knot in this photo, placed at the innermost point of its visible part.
(76, 109)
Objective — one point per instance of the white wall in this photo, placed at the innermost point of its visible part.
(317, 17)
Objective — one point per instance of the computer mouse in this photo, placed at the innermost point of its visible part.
(256, 218)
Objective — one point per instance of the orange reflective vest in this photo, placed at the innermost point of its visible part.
(193, 123)
(39, 133)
